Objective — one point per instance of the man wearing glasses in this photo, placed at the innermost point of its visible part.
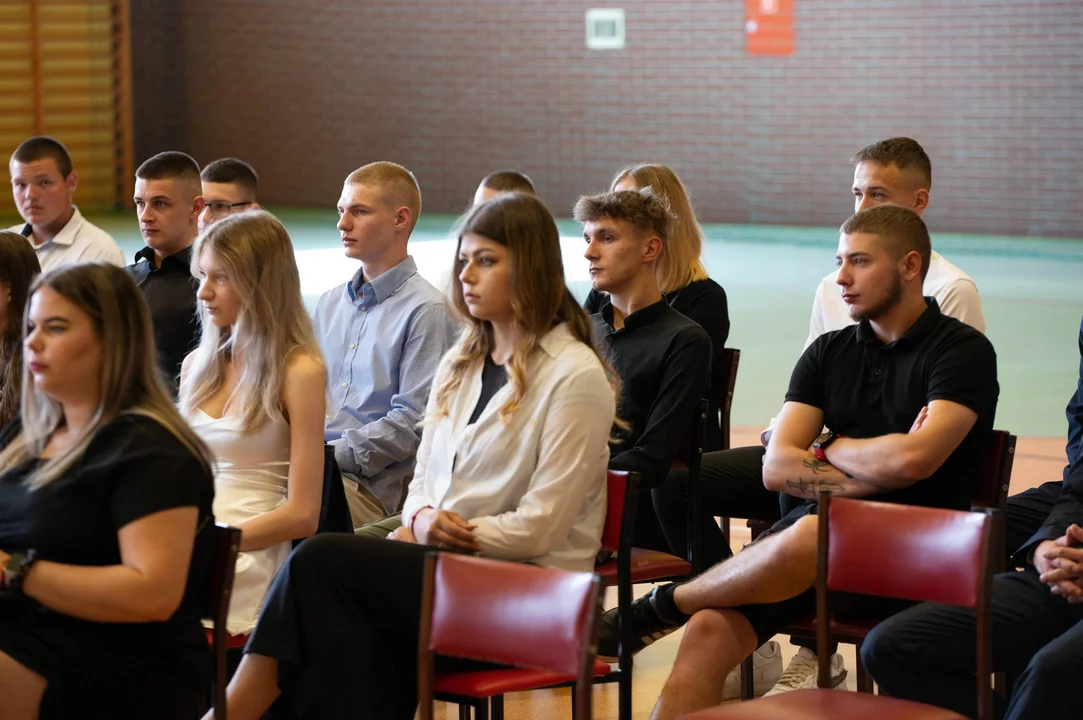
(229, 186)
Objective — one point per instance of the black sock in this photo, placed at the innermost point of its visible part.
(665, 607)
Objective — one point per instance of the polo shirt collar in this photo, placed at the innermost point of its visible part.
(918, 330)
(384, 286)
(177, 261)
(67, 234)
(643, 316)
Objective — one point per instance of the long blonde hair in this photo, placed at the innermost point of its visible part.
(680, 263)
(258, 258)
(539, 297)
(130, 382)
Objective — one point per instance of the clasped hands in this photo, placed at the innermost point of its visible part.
(1060, 564)
(440, 528)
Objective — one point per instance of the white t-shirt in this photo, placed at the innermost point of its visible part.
(78, 241)
(954, 290)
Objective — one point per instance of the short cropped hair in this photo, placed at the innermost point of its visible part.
(169, 165)
(509, 181)
(43, 147)
(399, 186)
(642, 208)
(231, 171)
(902, 152)
(901, 230)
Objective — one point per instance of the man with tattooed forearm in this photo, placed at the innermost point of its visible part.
(908, 396)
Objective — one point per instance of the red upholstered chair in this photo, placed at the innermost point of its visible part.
(991, 491)
(227, 541)
(882, 549)
(541, 622)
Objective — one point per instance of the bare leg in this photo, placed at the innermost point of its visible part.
(714, 642)
(253, 689)
(778, 568)
(21, 690)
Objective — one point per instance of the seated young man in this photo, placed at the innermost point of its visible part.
(895, 171)
(909, 394)
(168, 203)
(663, 359)
(503, 182)
(382, 335)
(229, 186)
(927, 653)
(43, 182)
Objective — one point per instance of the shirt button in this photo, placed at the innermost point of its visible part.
(353, 345)
(343, 384)
(363, 308)
(876, 372)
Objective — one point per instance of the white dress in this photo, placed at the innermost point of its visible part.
(251, 475)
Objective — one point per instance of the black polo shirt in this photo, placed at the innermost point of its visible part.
(663, 360)
(867, 389)
(170, 291)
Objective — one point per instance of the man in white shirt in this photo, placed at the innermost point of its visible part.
(42, 183)
(896, 171)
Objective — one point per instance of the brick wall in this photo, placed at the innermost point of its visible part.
(454, 89)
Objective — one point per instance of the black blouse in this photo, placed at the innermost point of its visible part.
(133, 467)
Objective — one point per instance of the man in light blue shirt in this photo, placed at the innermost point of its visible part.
(382, 335)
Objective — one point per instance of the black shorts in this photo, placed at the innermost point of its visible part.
(769, 619)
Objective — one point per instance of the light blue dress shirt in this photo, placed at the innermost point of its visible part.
(382, 342)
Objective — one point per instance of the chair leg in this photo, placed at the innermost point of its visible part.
(864, 680)
(748, 680)
(464, 711)
(624, 692)
(481, 710)
(496, 707)
(575, 716)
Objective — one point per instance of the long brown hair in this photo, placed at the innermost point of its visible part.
(680, 263)
(130, 379)
(539, 297)
(19, 268)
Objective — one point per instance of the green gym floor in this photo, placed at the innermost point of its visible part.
(1031, 290)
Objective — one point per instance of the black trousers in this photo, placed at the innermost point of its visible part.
(731, 485)
(341, 618)
(927, 653)
(1026, 512)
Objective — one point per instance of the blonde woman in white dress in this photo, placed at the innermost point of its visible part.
(254, 392)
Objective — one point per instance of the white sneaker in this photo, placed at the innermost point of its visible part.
(800, 674)
(766, 671)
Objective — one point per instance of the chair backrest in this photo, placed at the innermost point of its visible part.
(508, 613)
(227, 543)
(995, 471)
(622, 493)
(731, 358)
(908, 552)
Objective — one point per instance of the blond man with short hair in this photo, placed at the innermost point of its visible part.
(382, 335)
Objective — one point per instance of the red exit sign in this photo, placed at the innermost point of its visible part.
(769, 27)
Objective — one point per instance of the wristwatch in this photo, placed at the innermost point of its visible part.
(15, 572)
(819, 447)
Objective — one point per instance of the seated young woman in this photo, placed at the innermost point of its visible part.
(18, 268)
(105, 501)
(254, 393)
(511, 465)
(683, 278)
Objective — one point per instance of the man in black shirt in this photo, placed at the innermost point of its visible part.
(168, 201)
(663, 358)
(909, 395)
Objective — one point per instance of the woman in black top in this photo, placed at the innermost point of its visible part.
(683, 278)
(103, 496)
(18, 268)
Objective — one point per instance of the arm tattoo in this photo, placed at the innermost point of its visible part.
(812, 488)
(818, 466)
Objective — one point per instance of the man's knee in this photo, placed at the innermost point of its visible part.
(719, 632)
(795, 548)
(1053, 668)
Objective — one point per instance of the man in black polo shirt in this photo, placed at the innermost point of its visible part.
(663, 358)
(909, 395)
(168, 201)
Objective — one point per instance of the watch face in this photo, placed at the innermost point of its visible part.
(822, 439)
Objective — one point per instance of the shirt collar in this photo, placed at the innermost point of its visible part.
(385, 285)
(643, 316)
(177, 261)
(918, 330)
(67, 234)
(558, 338)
